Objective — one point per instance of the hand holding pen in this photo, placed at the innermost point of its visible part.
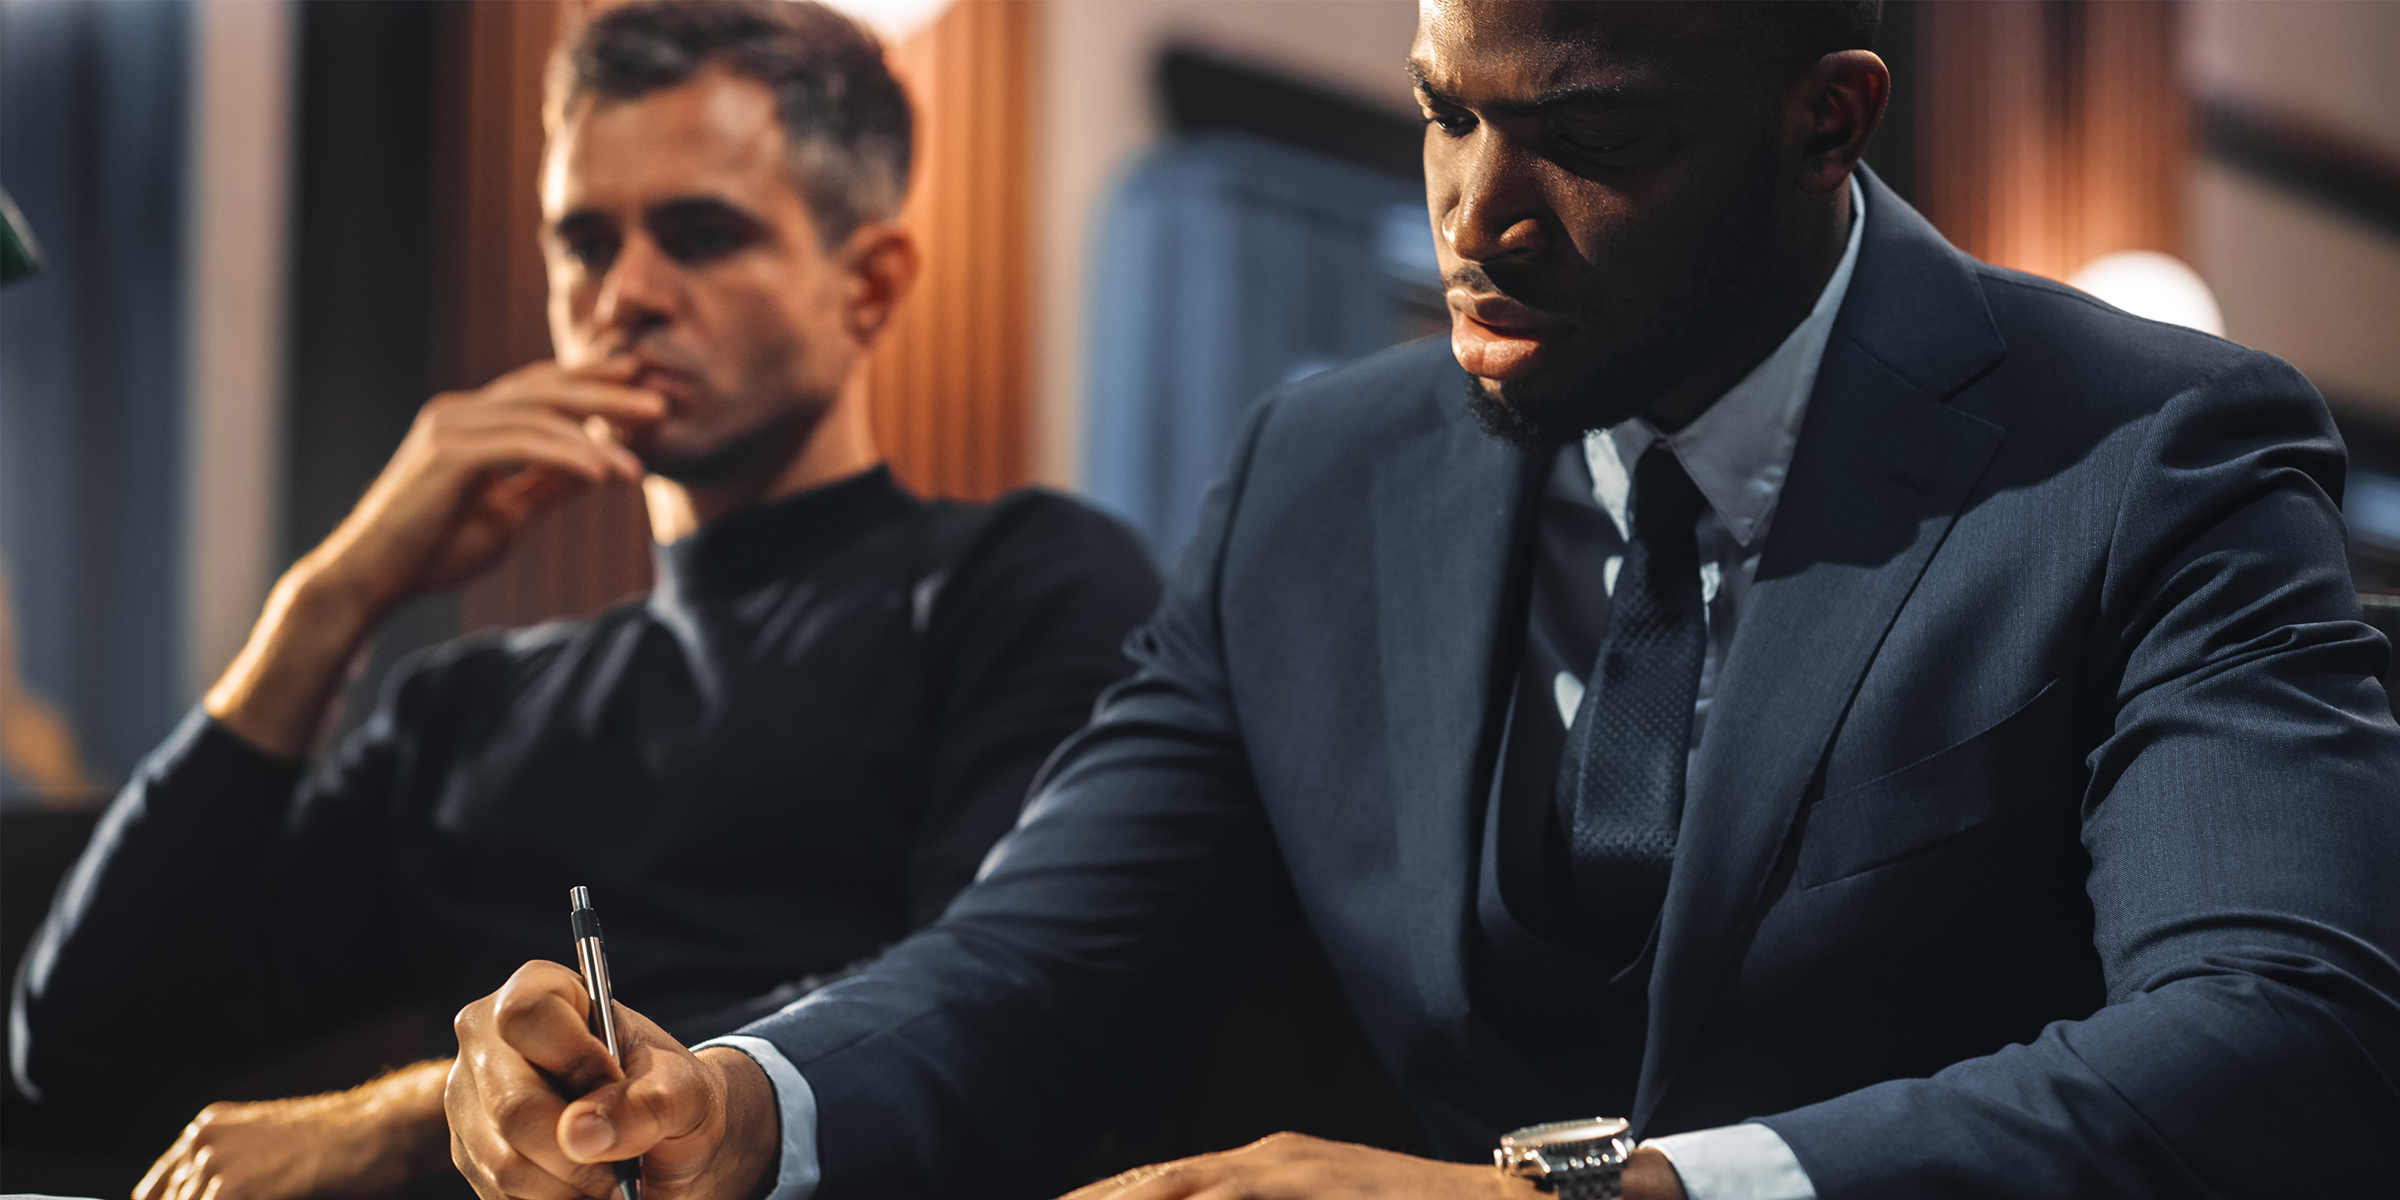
(539, 1108)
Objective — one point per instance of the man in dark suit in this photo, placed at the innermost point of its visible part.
(1923, 743)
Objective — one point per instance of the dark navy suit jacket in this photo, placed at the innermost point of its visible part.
(2044, 840)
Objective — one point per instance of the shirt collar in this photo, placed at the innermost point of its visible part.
(1740, 449)
(750, 546)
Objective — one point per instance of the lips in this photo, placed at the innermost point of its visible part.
(1501, 339)
(676, 386)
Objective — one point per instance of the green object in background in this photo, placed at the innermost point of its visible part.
(20, 255)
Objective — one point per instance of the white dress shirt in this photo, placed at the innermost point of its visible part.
(1737, 453)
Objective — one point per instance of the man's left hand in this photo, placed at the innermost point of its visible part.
(1293, 1166)
(365, 1142)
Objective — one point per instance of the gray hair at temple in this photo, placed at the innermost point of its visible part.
(846, 120)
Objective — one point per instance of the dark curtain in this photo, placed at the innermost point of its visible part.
(92, 143)
(1227, 265)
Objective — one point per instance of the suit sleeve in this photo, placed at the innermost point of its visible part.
(2243, 826)
(222, 885)
(981, 1054)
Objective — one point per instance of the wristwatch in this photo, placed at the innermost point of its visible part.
(1579, 1160)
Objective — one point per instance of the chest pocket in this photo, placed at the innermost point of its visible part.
(1944, 795)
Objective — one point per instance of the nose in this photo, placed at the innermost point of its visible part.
(1498, 213)
(641, 289)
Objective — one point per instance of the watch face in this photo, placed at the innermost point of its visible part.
(1588, 1130)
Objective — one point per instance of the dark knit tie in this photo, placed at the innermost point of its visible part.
(1620, 778)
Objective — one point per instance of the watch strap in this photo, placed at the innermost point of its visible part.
(1589, 1185)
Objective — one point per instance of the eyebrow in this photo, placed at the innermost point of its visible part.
(582, 218)
(698, 206)
(682, 206)
(1573, 96)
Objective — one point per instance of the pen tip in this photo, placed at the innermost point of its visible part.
(579, 898)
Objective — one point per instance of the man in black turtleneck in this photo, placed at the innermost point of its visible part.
(794, 751)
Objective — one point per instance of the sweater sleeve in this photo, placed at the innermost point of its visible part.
(231, 885)
(1027, 630)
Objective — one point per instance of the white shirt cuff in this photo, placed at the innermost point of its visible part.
(796, 1112)
(1735, 1162)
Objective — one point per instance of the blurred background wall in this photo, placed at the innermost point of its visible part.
(273, 228)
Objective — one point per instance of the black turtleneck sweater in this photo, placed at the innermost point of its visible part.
(791, 753)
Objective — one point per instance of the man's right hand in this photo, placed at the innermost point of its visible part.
(473, 469)
(538, 1112)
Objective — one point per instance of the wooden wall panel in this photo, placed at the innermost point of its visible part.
(2052, 132)
(2133, 143)
(952, 376)
(491, 298)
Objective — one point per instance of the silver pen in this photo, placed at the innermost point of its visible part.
(591, 954)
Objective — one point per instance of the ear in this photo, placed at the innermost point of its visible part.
(1836, 108)
(882, 260)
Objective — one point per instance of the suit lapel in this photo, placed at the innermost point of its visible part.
(1449, 517)
(1877, 480)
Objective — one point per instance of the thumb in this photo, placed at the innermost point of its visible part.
(633, 1116)
(588, 1133)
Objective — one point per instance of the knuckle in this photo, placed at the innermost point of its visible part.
(587, 1071)
(598, 1180)
(512, 1021)
(516, 1175)
(512, 1171)
(513, 1004)
(464, 1160)
(534, 976)
(515, 1111)
(1287, 1146)
(509, 1174)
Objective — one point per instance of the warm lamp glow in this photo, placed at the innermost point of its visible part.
(893, 20)
(2149, 284)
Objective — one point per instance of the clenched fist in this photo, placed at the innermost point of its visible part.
(538, 1112)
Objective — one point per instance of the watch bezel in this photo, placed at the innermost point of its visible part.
(1581, 1129)
(1563, 1147)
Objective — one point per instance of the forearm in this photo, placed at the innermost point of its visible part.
(275, 693)
(405, 1107)
(367, 1142)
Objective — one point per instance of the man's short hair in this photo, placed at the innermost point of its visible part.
(845, 119)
